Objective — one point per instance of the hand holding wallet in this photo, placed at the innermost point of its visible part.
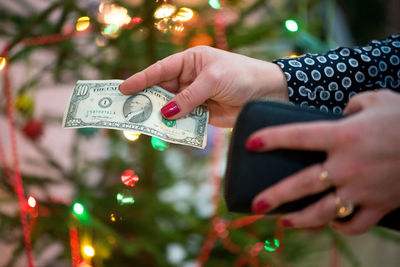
(249, 173)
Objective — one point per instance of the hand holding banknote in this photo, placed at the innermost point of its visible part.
(223, 80)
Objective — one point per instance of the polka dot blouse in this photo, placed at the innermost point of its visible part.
(327, 81)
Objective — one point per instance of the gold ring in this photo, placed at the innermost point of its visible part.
(324, 177)
(343, 208)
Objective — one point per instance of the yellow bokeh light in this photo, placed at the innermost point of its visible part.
(164, 11)
(3, 62)
(88, 251)
(184, 14)
(114, 14)
(131, 136)
(293, 56)
(82, 23)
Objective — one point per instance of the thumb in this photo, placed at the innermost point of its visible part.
(187, 100)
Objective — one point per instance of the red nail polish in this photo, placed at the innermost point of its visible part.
(254, 143)
(170, 110)
(287, 223)
(261, 206)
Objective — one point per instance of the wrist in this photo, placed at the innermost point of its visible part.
(274, 84)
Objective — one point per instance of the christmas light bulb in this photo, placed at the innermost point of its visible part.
(131, 136)
(88, 251)
(291, 25)
(125, 198)
(3, 62)
(82, 23)
(271, 247)
(31, 202)
(159, 144)
(184, 14)
(164, 11)
(78, 208)
(129, 178)
(214, 4)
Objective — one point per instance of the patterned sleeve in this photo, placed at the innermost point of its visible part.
(327, 81)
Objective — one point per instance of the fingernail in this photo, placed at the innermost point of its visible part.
(287, 223)
(254, 143)
(261, 206)
(170, 110)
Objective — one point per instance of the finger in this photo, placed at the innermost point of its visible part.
(362, 221)
(164, 70)
(188, 99)
(357, 103)
(299, 185)
(367, 99)
(315, 215)
(318, 135)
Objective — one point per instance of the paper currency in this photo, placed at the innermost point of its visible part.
(99, 104)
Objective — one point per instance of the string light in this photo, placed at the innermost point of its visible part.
(123, 199)
(271, 247)
(3, 62)
(184, 14)
(82, 23)
(291, 25)
(78, 208)
(88, 251)
(214, 4)
(111, 29)
(31, 202)
(129, 178)
(114, 14)
(131, 136)
(136, 20)
(159, 144)
(164, 11)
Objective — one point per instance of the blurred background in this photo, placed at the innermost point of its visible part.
(96, 197)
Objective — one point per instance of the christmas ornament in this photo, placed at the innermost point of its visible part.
(25, 104)
(87, 132)
(33, 129)
(159, 144)
(129, 178)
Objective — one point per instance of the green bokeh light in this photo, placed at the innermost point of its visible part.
(122, 199)
(214, 4)
(291, 25)
(159, 144)
(78, 208)
(271, 247)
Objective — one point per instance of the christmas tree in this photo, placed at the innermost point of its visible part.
(95, 197)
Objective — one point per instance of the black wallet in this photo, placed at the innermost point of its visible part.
(249, 173)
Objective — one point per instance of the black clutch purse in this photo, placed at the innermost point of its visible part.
(249, 173)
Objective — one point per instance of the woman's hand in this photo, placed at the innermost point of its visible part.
(223, 80)
(363, 163)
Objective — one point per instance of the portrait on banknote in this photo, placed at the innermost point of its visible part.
(137, 108)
